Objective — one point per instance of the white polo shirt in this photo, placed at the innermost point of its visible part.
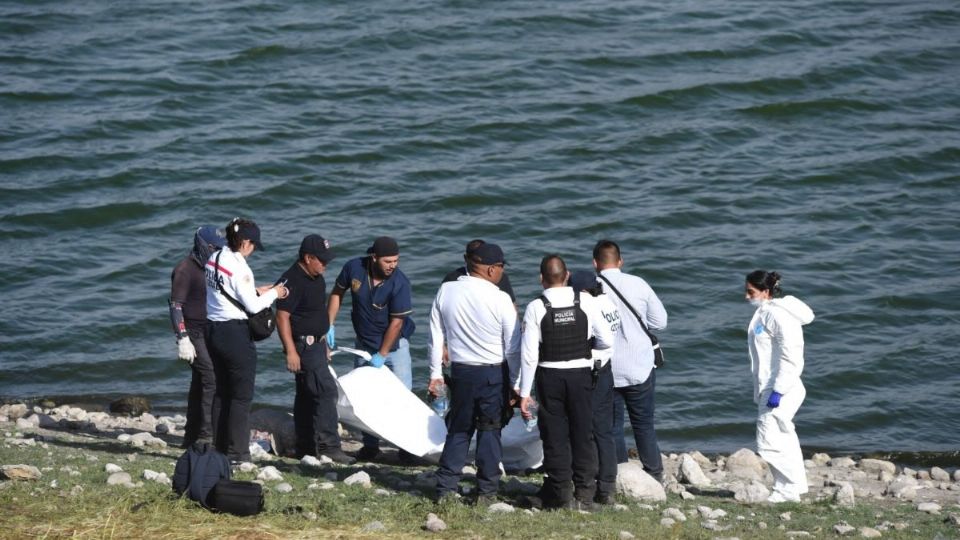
(236, 278)
(477, 322)
(559, 297)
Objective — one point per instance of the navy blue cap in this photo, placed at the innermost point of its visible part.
(384, 247)
(488, 254)
(318, 246)
(583, 279)
(251, 232)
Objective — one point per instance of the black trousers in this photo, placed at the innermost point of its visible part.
(235, 366)
(315, 405)
(203, 386)
(566, 429)
(603, 432)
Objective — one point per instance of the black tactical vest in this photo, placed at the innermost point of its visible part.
(563, 332)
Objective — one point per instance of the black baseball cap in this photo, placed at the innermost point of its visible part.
(318, 246)
(583, 279)
(384, 246)
(488, 254)
(251, 232)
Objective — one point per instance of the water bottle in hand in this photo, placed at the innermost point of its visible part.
(532, 422)
(439, 403)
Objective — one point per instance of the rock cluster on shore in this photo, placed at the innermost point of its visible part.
(742, 475)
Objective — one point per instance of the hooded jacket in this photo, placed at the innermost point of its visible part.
(775, 342)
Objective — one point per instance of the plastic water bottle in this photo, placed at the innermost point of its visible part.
(532, 422)
(440, 403)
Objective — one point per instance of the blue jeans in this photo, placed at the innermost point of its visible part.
(638, 400)
(400, 364)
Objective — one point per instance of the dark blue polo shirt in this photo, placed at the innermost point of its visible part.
(372, 306)
(306, 303)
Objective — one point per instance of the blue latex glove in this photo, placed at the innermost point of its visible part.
(331, 341)
(377, 360)
(774, 400)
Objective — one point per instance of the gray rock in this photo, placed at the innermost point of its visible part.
(119, 478)
(500, 508)
(751, 493)
(877, 465)
(635, 483)
(247, 467)
(844, 495)
(374, 526)
(146, 439)
(907, 471)
(131, 406)
(20, 472)
(687, 496)
(16, 411)
(21, 442)
(929, 507)
(283, 487)
(691, 472)
(954, 519)
(786, 516)
(667, 522)
(885, 477)
(674, 514)
(111, 468)
(869, 532)
(843, 528)
(956, 475)
(162, 429)
(310, 461)
(798, 534)
(434, 523)
(269, 474)
(360, 478)
(701, 459)
(30, 423)
(820, 459)
(625, 535)
(939, 475)
(842, 462)
(809, 464)
(745, 464)
(331, 476)
(902, 487)
(923, 475)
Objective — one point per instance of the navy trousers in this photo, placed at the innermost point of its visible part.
(476, 405)
(315, 405)
(603, 433)
(639, 402)
(235, 366)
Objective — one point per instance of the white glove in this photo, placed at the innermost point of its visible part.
(186, 350)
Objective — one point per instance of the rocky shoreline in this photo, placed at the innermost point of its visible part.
(741, 476)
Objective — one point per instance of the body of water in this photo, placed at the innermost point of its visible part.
(709, 138)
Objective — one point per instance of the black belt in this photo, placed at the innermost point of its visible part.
(310, 340)
(476, 364)
(231, 321)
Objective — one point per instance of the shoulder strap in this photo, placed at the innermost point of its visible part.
(546, 303)
(216, 279)
(630, 307)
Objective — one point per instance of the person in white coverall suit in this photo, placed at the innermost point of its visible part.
(775, 342)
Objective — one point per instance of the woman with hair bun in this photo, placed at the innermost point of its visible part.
(228, 335)
(775, 343)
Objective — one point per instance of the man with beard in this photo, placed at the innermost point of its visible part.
(381, 303)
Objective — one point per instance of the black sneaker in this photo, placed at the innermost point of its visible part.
(583, 506)
(532, 502)
(604, 500)
(338, 456)
(368, 453)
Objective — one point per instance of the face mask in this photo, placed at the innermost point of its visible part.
(756, 302)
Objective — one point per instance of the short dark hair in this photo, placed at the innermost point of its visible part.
(765, 281)
(606, 252)
(553, 269)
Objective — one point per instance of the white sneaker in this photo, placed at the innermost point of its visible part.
(778, 497)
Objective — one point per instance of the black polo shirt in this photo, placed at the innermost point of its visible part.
(504, 281)
(306, 303)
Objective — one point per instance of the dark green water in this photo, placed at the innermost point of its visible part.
(709, 138)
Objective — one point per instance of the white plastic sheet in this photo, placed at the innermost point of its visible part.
(374, 400)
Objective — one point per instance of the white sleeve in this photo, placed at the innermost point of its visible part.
(511, 337)
(788, 338)
(436, 339)
(247, 293)
(599, 326)
(530, 348)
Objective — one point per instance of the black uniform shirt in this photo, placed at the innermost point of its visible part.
(306, 303)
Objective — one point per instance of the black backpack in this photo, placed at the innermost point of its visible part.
(197, 472)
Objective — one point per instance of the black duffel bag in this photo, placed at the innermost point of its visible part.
(237, 497)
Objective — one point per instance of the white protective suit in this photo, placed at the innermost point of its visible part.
(775, 341)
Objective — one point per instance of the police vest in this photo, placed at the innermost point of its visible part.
(563, 332)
